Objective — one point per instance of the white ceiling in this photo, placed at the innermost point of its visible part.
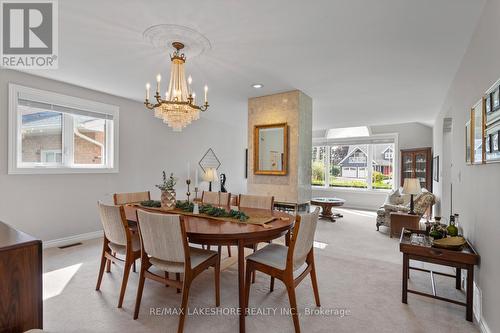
(363, 62)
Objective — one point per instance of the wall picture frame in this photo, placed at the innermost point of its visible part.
(477, 133)
(467, 142)
(435, 168)
(495, 99)
(487, 104)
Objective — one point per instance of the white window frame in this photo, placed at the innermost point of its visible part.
(372, 139)
(15, 165)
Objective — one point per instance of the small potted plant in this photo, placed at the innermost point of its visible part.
(168, 191)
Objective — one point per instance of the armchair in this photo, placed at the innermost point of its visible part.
(397, 202)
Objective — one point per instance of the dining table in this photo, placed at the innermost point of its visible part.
(205, 230)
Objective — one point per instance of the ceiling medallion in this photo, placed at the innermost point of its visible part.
(178, 107)
(162, 36)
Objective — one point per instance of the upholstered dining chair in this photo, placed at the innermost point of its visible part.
(164, 246)
(132, 197)
(117, 240)
(217, 199)
(281, 262)
(256, 202)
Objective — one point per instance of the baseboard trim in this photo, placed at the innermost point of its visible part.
(483, 327)
(72, 239)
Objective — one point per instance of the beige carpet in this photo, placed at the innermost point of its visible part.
(359, 273)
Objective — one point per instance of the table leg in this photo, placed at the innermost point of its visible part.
(458, 279)
(470, 292)
(241, 284)
(406, 265)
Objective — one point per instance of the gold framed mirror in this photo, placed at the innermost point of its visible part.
(270, 149)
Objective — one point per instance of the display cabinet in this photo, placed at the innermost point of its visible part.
(417, 163)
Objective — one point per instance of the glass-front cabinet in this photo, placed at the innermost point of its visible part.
(416, 163)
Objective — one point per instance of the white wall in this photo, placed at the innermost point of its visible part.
(410, 135)
(57, 206)
(475, 188)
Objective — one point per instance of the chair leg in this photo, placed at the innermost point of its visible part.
(314, 282)
(253, 274)
(229, 250)
(126, 272)
(219, 251)
(271, 286)
(178, 278)
(217, 282)
(166, 277)
(101, 271)
(139, 293)
(185, 296)
(108, 265)
(133, 267)
(248, 274)
(293, 306)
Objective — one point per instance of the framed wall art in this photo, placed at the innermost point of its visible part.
(435, 168)
(467, 142)
(477, 133)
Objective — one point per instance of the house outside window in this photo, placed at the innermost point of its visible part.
(54, 133)
(362, 164)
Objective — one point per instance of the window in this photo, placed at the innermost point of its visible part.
(361, 163)
(53, 133)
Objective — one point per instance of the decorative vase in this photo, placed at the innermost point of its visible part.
(168, 199)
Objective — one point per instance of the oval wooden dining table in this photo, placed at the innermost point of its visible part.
(206, 231)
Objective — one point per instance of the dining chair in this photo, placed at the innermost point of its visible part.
(132, 197)
(217, 199)
(281, 262)
(255, 202)
(164, 246)
(117, 240)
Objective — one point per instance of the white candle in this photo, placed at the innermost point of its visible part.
(196, 177)
(190, 80)
(206, 91)
(148, 86)
(194, 96)
(188, 170)
(158, 80)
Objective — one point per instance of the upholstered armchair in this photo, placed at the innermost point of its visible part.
(397, 202)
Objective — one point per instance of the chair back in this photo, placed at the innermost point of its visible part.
(216, 198)
(163, 236)
(302, 238)
(132, 197)
(114, 223)
(255, 201)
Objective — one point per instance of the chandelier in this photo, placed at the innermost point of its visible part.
(178, 108)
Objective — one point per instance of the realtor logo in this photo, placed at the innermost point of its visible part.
(29, 34)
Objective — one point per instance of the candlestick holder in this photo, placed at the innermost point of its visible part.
(196, 192)
(188, 194)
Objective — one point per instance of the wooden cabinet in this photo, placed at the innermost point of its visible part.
(20, 281)
(417, 163)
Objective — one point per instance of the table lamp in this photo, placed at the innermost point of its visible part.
(210, 176)
(412, 187)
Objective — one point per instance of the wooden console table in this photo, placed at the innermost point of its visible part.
(463, 259)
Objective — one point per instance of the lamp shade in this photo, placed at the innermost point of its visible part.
(210, 175)
(411, 186)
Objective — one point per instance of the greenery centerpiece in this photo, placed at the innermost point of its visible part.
(212, 211)
(167, 189)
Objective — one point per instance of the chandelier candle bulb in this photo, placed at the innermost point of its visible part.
(148, 86)
(206, 93)
(158, 80)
